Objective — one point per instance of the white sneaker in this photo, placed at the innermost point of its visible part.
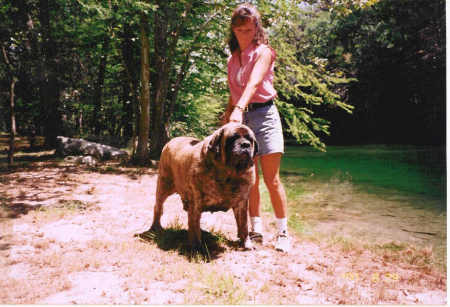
(256, 237)
(283, 243)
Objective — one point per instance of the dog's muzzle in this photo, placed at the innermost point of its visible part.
(242, 155)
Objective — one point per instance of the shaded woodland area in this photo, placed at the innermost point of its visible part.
(137, 73)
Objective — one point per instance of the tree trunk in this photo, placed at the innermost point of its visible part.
(98, 122)
(80, 122)
(137, 117)
(12, 114)
(12, 135)
(127, 108)
(49, 88)
(159, 134)
(130, 120)
(144, 121)
(167, 30)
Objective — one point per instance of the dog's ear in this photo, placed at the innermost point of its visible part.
(254, 141)
(255, 147)
(215, 143)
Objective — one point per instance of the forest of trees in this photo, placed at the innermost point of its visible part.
(141, 72)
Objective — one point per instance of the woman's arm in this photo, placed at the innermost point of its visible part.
(260, 69)
(225, 118)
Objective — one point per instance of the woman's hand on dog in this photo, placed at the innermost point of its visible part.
(236, 116)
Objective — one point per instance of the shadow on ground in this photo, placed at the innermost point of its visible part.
(13, 211)
(30, 163)
(26, 162)
(175, 239)
(127, 168)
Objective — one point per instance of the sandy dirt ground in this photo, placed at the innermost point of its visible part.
(68, 236)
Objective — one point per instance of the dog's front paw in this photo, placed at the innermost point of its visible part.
(247, 244)
(156, 227)
(196, 246)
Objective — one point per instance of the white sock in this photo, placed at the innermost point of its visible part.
(256, 224)
(282, 224)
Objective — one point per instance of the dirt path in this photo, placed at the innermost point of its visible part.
(67, 235)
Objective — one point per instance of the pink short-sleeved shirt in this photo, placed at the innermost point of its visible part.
(239, 75)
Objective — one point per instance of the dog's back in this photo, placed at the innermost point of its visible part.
(177, 157)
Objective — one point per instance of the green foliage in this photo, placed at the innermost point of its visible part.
(303, 80)
(342, 8)
(95, 29)
(204, 91)
(332, 57)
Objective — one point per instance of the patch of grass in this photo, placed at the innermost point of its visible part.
(63, 208)
(72, 204)
(406, 253)
(392, 246)
(405, 169)
(345, 244)
(341, 294)
(214, 287)
(297, 224)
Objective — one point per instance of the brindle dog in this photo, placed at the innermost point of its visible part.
(215, 174)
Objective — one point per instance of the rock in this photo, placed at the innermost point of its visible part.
(78, 147)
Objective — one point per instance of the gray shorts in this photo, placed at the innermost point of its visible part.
(266, 124)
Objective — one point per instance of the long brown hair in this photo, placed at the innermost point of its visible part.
(242, 14)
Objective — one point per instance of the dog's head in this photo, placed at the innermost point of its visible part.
(233, 145)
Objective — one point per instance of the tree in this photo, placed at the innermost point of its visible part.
(49, 87)
(142, 149)
(302, 86)
(130, 84)
(305, 84)
(397, 52)
(172, 20)
(82, 61)
(12, 130)
(13, 56)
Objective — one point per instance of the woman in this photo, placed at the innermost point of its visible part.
(250, 78)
